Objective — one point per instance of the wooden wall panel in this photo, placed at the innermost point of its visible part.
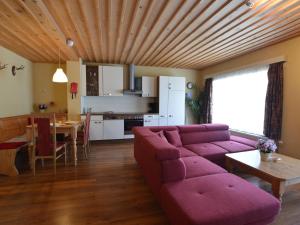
(13, 126)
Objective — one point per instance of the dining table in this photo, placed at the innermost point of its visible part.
(68, 128)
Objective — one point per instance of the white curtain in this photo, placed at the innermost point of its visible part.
(239, 99)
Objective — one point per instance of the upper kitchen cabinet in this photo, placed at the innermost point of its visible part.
(101, 80)
(149, 86)
(113, 80)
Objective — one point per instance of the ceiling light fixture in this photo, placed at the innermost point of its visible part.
(69, 42)
(249, 4)
(59, 76)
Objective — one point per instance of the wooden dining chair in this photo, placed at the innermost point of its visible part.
(44, 144)
(83, 136)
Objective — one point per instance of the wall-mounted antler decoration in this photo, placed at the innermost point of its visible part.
(3, 66)
(14, 69)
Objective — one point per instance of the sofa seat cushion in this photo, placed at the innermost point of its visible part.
(233, 146)
(197, 166)
(209, 151)
(185, 152)
(220, 199)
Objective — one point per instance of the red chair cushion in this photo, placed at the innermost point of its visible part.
(58, 145)
(11, 145)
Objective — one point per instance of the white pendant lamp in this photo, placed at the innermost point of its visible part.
(59, 76)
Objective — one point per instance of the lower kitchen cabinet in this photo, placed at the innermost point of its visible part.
(163, 120)
(96, 130)
(150, 120)
(113, 129)
(96, 127)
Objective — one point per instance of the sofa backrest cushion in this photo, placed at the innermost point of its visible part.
(204, 133)
(173, 138)
(216, 126)
(163, 128)
(162, 135)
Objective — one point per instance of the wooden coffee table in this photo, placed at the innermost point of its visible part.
(280, 173)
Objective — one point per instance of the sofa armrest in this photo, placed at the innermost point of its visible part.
(173, 170)
(142, 132)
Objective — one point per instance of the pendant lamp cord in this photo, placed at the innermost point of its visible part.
(59, 58)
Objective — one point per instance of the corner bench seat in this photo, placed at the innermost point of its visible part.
(220, 199)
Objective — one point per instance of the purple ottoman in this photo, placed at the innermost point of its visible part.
(220, 199)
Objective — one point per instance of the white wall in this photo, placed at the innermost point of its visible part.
(126, 103)
(45, 91)
(15, 91)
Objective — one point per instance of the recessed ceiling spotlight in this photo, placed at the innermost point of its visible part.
(69, 42)
(249, 4)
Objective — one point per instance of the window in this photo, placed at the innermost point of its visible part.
(238, 99)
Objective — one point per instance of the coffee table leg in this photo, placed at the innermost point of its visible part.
(229, 165)
(278, 188)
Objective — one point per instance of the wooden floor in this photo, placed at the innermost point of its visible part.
(106, 189)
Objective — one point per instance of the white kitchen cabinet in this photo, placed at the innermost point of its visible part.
(163, 120)
(113, 129)
(151, 120)
(176, 83)
(176, 108)
(171, 101)
(149, 86)
(112, 80)
(163, 96)
(96, 128)
(100, 80)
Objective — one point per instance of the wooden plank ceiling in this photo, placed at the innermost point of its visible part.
(172, 33)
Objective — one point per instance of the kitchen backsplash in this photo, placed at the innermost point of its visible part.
(126, 103)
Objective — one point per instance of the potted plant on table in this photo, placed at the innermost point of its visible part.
(266, 148)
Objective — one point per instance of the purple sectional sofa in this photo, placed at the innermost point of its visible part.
(184, 166)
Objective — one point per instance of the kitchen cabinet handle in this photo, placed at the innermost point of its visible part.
(162, 116)
(170, 115)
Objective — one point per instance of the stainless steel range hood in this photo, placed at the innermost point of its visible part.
(132, 87)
